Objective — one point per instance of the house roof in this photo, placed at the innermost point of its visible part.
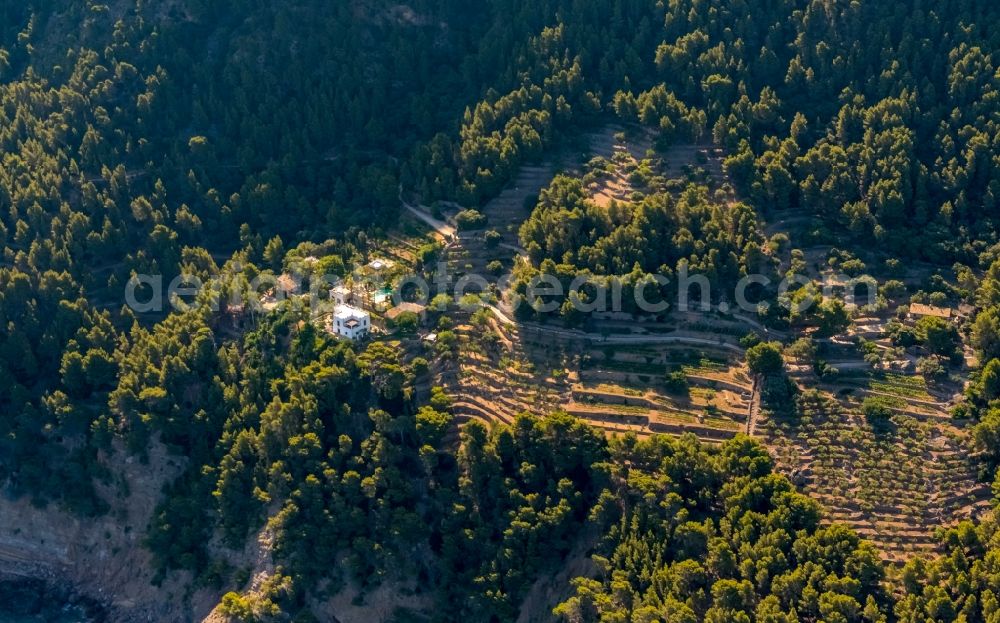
(346, 312)
(919, 309)
(287, 283)
(380, 263)
(403, 308)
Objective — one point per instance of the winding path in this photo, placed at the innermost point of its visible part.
(754, 414)
(437, 225)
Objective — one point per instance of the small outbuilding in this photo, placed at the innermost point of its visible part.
(287, 285)
(342, 295)
(403, 308)
(919, 310)
(380, 264)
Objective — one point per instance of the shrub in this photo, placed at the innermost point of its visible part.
(894, 289)
(779, 242)
(825, 371)
(930, 367)
(492, 238)
(470, 219)
(876, 410)
(902, 335)
(802, 349)
(676, 383)
(853, 268)
(406, 322)
(420, 366)
(938, 336)
(236, 607)
(440, 400)
(750, 340)
(428, 253)
(765, 358)
(894, 267)
(440, 303)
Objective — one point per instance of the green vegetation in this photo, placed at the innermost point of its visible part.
(902, 386)
(676, 382)
(765, 359)
(873, 473)
(958, 586)
(570, 236)
(469, 220)
(938, 336)
(878, 410)
(668, 555)
(235, 139)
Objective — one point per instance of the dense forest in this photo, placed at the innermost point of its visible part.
(187, 136)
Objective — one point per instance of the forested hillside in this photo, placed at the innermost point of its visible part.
(153, 135)
(874, 117)
(207, 137)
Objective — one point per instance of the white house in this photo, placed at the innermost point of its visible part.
(350, 322)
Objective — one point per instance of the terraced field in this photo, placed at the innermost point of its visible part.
(605, 142)
(713, 405)
(404, 242)
(619, 158)
(493, 379)
(893, 482)
(506, 212)
(502, 370)
(695, 163)
(625, 166)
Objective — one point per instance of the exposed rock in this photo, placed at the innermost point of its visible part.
(49, 600)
